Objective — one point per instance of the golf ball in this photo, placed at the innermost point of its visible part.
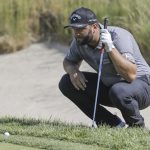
(6, 134)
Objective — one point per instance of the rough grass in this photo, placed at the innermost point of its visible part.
(21, 19)
(56, 135)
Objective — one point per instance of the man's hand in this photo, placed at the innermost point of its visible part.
(78, 80)
(77, 77)
(106, 40)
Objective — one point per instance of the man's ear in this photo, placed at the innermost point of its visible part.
(95, 27)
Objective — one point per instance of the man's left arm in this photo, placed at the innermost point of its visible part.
(124, 67)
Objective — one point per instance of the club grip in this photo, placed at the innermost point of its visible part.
(105, 27)
(105, 23)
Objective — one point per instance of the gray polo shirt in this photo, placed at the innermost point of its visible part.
(124, 43)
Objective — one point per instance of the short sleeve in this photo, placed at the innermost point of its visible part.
(123, 41)
(73, 54)
(129, 57)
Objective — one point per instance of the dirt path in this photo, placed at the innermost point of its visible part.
(29, 80)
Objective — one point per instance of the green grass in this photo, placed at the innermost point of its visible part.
(56, 135)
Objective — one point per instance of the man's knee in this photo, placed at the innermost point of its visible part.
(122, 98)
(118, 94)
(63, 83)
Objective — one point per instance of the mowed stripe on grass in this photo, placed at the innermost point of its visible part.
(46, 143)
(8, 146)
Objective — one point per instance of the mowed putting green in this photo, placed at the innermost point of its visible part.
(8, 146)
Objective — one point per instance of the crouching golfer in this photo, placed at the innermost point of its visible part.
(125, 76)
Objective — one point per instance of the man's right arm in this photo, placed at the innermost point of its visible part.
(70, 67)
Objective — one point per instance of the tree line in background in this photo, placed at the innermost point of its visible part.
(25, 21)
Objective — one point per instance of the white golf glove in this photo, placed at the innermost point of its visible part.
(105, 38)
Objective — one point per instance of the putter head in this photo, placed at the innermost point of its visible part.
(94, 125)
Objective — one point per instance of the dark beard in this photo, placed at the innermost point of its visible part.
(85, 40)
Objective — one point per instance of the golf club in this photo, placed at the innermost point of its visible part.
(99, 75)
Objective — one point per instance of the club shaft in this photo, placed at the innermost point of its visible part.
(97, 88)
(99, 76)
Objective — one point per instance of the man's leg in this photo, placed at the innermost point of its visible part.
(85, 99)
(130, 98)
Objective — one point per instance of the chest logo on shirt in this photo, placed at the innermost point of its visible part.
(106, 61)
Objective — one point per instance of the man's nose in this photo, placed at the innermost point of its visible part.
(76, 33)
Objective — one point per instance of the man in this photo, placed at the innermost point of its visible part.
(125, 77)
